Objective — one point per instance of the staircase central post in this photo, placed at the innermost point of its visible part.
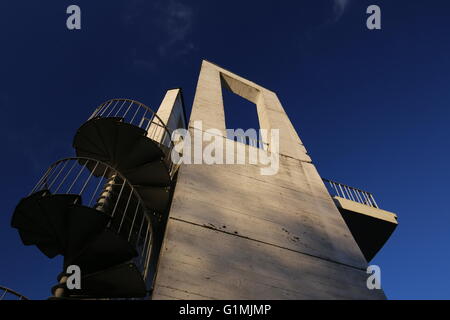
(106, 198)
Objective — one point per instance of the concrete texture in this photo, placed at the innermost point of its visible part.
(365, 210)
(170, 114)
(233, 233)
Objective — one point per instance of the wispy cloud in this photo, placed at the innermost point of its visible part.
(164, 30)
(339, 8)
(176, 20)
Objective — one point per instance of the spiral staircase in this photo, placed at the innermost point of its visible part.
(105, 209)
(9, 294)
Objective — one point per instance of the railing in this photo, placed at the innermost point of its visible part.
(103, 188)
(8, 294)
(350, 193)
(251, 140)
(138, 114)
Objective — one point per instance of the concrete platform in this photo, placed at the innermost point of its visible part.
(371, 227)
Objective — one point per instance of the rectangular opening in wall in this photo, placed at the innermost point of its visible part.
(242, 117)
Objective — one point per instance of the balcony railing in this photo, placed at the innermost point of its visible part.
(350, 193)
(138, 114)
(249, 139)
(142, 116)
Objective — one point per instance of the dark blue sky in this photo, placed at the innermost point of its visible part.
(372, 107)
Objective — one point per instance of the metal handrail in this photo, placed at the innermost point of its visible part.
(106, 190)
(248, 139)
(252, 142)
(4, 291)
(142, 116)
(350, 193)
(138, 114)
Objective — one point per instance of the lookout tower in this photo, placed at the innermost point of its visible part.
(140, 226)
(233, 233)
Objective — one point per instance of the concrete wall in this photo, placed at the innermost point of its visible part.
(236, 234)
(170, 114)
(171, 110)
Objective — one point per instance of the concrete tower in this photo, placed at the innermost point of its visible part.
(140, 225)
(233, 233)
